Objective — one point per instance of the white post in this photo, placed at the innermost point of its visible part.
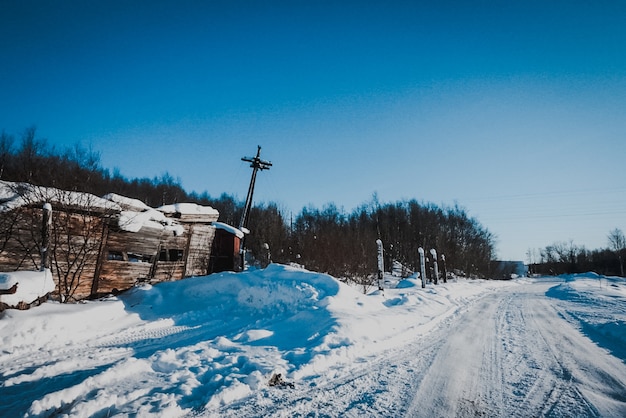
(422, 266)
(445, 270)
(433, 252)
(381, 264)
(266, 246)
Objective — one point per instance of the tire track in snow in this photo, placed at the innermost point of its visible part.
(378, 385)
(465, 375)
(534, 363)
(539, 384)
(586, 371)
(142, 340)
(509, 353)
(370, 387)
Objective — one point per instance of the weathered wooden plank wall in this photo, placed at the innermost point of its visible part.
(20, 243)
(89, 255)
(199, 249)
(75, 242)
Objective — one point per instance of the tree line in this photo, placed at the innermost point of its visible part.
(31, 159)
(329, 239)
(565, 257)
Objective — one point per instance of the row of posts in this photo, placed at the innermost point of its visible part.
(422, 256)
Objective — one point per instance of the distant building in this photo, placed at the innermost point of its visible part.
(506, 270)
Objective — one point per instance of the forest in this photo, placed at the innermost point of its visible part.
(566, 257)
(328, 240)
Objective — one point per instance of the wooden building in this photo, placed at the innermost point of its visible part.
(105, 245)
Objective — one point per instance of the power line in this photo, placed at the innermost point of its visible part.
(546, 215)
(553, 193)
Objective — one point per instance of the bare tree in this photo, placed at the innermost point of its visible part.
(6, 152)
(78, 224)
(617, 243)
(30, 156)
(20, 233)
(77, 235)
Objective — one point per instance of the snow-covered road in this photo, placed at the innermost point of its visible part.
(515, 352)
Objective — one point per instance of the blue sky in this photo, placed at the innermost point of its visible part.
(514, 110)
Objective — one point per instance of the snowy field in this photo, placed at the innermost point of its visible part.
(210, 346)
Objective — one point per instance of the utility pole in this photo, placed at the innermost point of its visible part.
(256, 164)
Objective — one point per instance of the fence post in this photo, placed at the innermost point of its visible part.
(422, 266)
(433, 252)
(381, 264)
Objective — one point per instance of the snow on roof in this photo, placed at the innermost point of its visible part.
(16, 195)
(133, 213)
(31, 285)
(132, 221)
(127, 203)
(188, 209)
(7, 191)
(137, 214)
(237, 232)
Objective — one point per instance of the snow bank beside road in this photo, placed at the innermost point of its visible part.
(597, 304)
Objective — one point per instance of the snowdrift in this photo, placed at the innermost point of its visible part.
(596, 303)
(31, 285)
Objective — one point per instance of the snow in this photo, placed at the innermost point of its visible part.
(32, 194)
(133, 221)
(136, 215)
(231, 229)
(133, 213)
(208, 346)
(595, 300)
(127, 203)
(31, 285)
(188, 209)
